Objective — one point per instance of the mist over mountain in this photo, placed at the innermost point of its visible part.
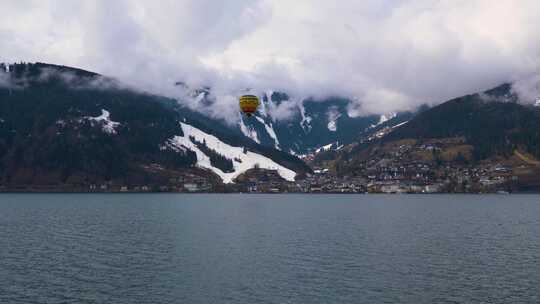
(66, 126)
(494, 122)
(488, 138)
(384, 56)
(295, 125)
(332, 78)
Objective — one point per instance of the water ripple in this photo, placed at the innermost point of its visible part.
(269, 249)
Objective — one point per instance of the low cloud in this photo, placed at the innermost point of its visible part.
(528, 89)
(284, 111)
(384, 55)
(67, 77)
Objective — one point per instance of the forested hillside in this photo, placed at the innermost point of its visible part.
(61, 125)
(493, 122)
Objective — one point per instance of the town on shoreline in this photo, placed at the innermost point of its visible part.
(418, 179)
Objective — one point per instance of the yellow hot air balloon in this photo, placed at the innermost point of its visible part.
(249, 104)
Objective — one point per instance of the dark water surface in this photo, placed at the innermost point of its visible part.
(167, 248)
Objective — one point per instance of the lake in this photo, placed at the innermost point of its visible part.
(179, 248)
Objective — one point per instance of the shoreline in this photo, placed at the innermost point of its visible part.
(257, 193)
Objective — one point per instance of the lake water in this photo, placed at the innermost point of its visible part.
(169, 248)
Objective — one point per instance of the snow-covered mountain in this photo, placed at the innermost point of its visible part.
(300, 126)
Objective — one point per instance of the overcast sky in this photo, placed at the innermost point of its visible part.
(387, 55)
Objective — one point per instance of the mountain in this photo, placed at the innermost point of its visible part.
(66, 126)
(494, 122)
(309, 124)
(490, 138)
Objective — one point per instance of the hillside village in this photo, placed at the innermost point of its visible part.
(411, 166)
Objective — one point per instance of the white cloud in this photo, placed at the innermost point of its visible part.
(528, 89)
(389, 55)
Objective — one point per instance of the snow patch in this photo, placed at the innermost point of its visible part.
(324, 148)
(270, 131)
(332, 126)
(248, 131)
(333, 115)
(107, 125)
(384, 131)
(241, 161)
(537, 102)
(400, 124)
(306, 120)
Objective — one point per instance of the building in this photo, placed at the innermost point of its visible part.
(191, 187)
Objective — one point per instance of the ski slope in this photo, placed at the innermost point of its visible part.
(241, 161)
